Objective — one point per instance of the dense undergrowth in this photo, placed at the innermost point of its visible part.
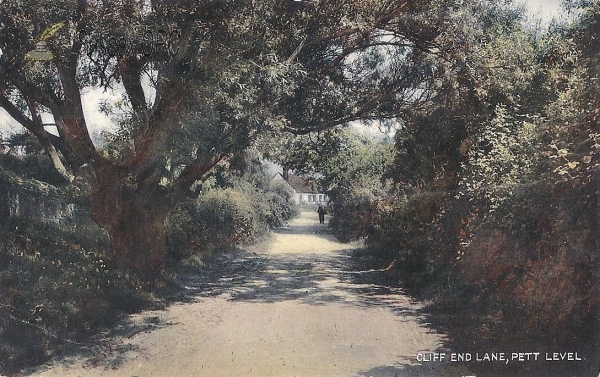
(522, 278)
(492, 216)
(57, 286)
(222, 218)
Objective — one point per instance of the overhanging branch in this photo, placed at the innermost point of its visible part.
(204, 163)
(169, 96)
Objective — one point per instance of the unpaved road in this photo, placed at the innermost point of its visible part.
(289, 307)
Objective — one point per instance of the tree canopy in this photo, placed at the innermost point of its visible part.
(201, 81)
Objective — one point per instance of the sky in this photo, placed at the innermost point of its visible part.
(543, 9)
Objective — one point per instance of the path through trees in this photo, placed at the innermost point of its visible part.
(291, 306)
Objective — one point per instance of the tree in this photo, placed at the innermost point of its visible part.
(336, 159)
(202, 80)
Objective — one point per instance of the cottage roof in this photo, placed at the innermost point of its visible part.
(301, 185)
(279, 181)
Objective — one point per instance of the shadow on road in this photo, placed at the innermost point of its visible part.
(313, 278)
(270, 274)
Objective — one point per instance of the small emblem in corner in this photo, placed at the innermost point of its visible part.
(41, 51)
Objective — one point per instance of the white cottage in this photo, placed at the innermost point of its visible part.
(302, 191)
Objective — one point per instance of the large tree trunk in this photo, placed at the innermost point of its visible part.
(134, 214)
(138, 238)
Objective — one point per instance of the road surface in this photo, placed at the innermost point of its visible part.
(290, 306)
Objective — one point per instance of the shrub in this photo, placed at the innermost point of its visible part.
(358, 204)
(540, 254)
(281, 209)
(520, 273)
(403, 233)
(219, 218)
(57, 285)
(33, 166)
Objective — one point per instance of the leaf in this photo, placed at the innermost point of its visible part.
(51, 30)
(572, 165)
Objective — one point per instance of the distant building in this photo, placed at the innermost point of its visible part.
(302, 191)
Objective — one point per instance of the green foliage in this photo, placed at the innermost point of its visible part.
(502, 155)
(350, 168)
(336, 157)
(537, 251)
(402, 233)
(250, 70)
(223, 218)
(493, 207)
(57, 286)
(32, 166)
(219, 218)
(282, 208)
(25, 156)
(234, 71)
(493, 215)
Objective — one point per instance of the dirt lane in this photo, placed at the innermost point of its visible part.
(289, 307)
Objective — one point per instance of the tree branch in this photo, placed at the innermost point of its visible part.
(36, 127)
(130, 71)
(353, 30)
(39, 131)
(169, 96)
(364, 113)
(14, 112)
(53, 103)
(204, 163)
(69, 114)
(339, 34)
(360, 41)
(32, 92)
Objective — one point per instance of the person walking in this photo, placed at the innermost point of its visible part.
(321, 211)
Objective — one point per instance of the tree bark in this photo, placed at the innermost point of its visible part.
(134, 215)
(138, 239)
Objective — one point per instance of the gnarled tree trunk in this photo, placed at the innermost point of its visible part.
(133, 212)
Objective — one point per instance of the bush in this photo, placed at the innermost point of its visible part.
(402, 233)
(518, 273)
(58, 285)
(281, 209)
(34, 166)
(523, 276)
(540, 254)
(358, 204)
(219, 218)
